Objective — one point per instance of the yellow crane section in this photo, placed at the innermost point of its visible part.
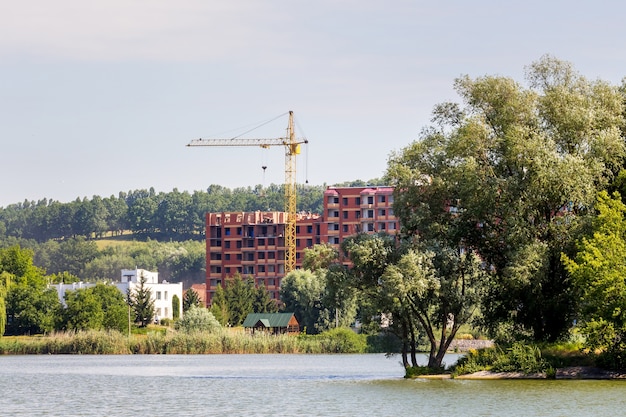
(292, 148)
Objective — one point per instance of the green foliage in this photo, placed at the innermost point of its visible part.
(175, 307)
(432, 289)
(31, 310)
(5, 281)
(343, 340)
(263, 302)
(190, 299)
(301, 293)
(519, 357)
(232, 304)
(142, 303)
(599, 274)
(523, 164)
(197, 319)
(83, 311)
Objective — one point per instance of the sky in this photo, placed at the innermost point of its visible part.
(102, 97)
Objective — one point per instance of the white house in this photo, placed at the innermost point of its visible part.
(162, 292)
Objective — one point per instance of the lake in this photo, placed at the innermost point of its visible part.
(285, 385)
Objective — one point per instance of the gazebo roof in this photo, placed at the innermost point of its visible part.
(268, 319)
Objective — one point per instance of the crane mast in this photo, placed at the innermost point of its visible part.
(292, 148)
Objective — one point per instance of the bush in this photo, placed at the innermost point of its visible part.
(519, 357)
(197, 319)
(343, 340)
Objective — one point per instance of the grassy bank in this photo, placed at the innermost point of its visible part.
(170, 342)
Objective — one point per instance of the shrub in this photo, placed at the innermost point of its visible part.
(197, 319)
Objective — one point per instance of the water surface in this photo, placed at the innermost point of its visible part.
(270, 385)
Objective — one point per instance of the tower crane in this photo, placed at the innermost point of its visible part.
(292, 148)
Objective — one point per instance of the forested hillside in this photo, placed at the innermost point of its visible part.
(157, 231)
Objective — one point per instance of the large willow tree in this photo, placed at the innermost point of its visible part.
(510, 173)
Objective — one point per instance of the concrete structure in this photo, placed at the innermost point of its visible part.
(252, 244)
(162, 292)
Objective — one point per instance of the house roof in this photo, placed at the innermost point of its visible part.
(268, 319)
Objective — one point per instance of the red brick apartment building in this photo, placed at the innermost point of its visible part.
(253, 244)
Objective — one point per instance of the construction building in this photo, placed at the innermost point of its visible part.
(252, 244)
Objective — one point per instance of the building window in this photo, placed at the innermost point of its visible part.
(381, 198)
(297, 229)
(239, 244)
(227, 270)
(370, 227)
(345, 201)
(239, 231)
(227, 231)
(158, 295)
(345, 228)
(357, 200)
(227, 256)
(166, 312)
(381, 226)
(345, 214)
(271, 268)
(271, 241)
(262, 242)
(309, 242)
(165, 296)
(381, 212)
(261, 255)
(239, 257)
(271, 255)
(227, 244)
(261, 269)
(370, 200)
(309, 228)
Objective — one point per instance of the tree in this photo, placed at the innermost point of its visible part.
(240, 296)
(141, 302)
(512, 175)
(31, 310)
(599, 273)
(263, 302)
(339, 297)
(191, 299)
(175, 307)
(197, 319)
(5, 281)
(83, 311)
(422, 287)
(301, 293)
(114, 307)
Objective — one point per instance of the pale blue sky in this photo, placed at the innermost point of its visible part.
(98, 97)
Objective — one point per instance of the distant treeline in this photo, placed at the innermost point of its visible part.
(161, 216)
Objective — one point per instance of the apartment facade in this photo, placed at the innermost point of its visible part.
(252, 244)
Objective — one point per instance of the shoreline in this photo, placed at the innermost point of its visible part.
(572, 372)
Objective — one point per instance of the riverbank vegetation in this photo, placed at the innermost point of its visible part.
(167, 341)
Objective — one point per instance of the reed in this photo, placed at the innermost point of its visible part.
(172, 342)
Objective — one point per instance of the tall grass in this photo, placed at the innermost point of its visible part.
(172, 342)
